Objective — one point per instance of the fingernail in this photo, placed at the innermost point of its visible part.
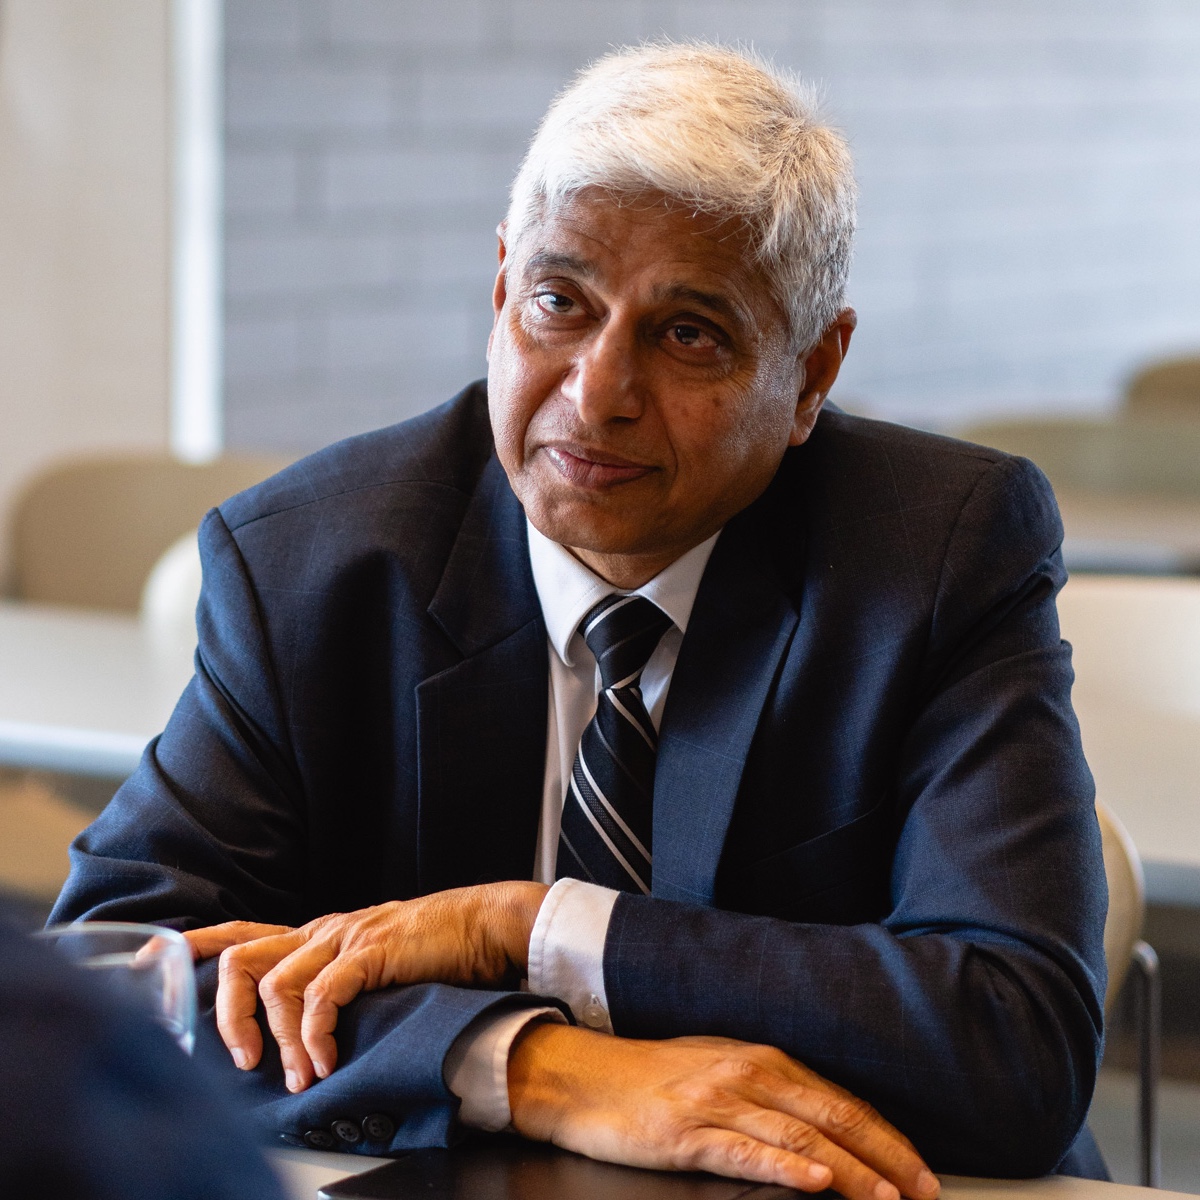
(819, 1174)
(927, 1184)
(886, 1191)
(321, 1069)
(239, 1058)
(293, 1082)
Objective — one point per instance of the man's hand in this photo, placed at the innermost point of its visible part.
(476, 935)
(707, 1104)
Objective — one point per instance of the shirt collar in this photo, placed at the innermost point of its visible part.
(567, 589)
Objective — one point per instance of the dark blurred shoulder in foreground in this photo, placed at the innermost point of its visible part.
(98, 1103)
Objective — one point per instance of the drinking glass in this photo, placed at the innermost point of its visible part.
(148, 965)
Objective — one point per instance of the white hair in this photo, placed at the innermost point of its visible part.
(717, 130)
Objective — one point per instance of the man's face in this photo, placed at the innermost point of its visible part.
(641, 381)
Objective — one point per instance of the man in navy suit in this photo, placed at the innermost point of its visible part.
(865, 904)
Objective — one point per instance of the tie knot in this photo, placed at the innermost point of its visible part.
(622, 631)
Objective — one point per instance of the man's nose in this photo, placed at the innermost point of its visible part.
(604, 380)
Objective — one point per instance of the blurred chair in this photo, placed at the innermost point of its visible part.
(1124, 950)
(1136, 645)
(87, 533)
(1136, 657)
(38, 821)
(1129, 491)
(1136, 653)
(115, 533)
(1134, 457)
(169, 598)
(1167, 388)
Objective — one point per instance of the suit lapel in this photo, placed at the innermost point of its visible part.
(481, 724)
(744, 618)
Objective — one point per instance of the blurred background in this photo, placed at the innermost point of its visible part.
(230, 234)
(1029, 177)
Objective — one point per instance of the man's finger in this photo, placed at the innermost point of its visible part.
(856, 1127)
(241, 967)
(737, 1155)
(852, 1177)
(334, 987)
(852, 1124)
(808, 1078)
(209, 942)
(282, 990)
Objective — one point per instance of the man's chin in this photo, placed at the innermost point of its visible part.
(582, 527)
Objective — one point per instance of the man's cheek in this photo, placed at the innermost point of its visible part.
(508, 421)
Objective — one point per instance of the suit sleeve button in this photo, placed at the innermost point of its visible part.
(347, 1132)
(320, 1139)
(594, 1014)
(378, 1127)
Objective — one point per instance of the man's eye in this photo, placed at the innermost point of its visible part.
(691, 335)
(554, 302)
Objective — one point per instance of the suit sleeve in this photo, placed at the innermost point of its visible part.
(212, 827)
(971, 1015)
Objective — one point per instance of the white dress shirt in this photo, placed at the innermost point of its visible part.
(566, 948)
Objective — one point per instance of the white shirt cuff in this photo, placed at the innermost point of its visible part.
(476, 1066)
(566, 949)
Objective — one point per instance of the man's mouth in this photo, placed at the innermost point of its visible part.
(588, 468)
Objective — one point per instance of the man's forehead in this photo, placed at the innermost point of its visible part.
(594, 215)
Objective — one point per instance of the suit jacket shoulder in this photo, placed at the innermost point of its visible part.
(912, 531)
(871, 484)
(336, 546)
(445, 448)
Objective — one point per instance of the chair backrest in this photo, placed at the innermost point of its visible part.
(1152, 457)
(1136, 653)
(1126, 900)
(88, 532)
(1136, 641)
(1167, 388)
(169, 599)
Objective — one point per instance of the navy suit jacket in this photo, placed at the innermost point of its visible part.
(874, 842)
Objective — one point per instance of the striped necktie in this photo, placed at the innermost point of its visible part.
(607, 812)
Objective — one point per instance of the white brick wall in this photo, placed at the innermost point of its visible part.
(1030, 180)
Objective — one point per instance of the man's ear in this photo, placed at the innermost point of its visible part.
(500, 287)
(818, 370)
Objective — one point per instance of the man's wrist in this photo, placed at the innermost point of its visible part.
(476, 1065)
(537, 1085)
(522, 902)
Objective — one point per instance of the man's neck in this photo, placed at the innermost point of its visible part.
(626, 571)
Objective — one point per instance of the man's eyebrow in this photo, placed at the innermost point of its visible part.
(544, 259)
(716, 301)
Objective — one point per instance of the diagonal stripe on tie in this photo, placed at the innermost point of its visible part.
(630, 707)
(609, 735)
(567, 853)
(607, 811)
(607, 831)
(637, 846)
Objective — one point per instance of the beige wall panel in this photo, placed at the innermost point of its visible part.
(84, 232)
